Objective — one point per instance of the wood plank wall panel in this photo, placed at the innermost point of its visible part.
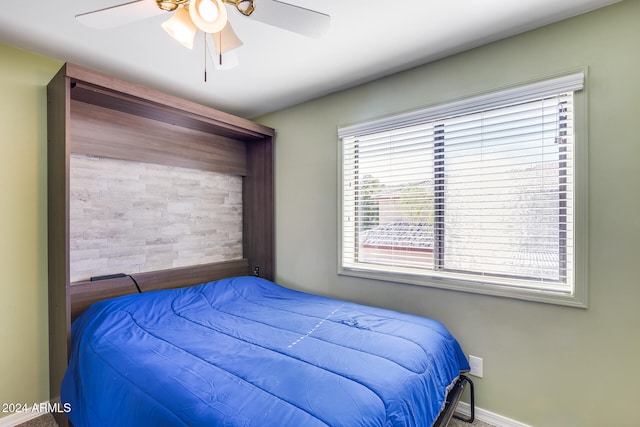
(103, 132)
(130, 217)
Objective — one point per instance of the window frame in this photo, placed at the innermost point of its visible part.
(574, 81)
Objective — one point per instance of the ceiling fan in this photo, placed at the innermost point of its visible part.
(209, 16)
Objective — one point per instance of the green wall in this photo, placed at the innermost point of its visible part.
(24, 339)
(544, 365)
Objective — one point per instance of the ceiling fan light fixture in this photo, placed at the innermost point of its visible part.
(208, 15)
(208, 10)
(181, 28)
(169, 5)
(245, 7)
(226, 40)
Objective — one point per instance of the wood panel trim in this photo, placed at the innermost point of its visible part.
(128, 92)
(259, 214)
(85, 293)
(109, 133)
(58, 232)
(193, 275)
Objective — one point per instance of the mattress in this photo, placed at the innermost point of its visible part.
(248, 352)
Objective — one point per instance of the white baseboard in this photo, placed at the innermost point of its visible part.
(464, 409)
(22, 417)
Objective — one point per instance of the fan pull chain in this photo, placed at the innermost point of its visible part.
(220, 54)
(205, 57)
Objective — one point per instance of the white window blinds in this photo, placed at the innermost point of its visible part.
(479, 191)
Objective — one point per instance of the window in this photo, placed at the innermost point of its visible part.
(478, 195)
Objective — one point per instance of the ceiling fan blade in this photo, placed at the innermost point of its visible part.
(293, 18)
(119, 14)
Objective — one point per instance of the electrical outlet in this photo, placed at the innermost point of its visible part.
(476, 366)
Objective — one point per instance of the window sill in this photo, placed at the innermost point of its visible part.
(576, 299)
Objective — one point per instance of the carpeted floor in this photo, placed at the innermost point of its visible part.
(43, 421)
(458, 423)
(48, 421)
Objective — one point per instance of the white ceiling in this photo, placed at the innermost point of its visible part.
(366, 40)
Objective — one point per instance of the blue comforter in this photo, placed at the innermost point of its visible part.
(247, 352)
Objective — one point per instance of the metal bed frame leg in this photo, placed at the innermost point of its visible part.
(453, 397)
(464, 378)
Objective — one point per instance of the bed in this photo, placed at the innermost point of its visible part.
(246, 351)
(209, 344)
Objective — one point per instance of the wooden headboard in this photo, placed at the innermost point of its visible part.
(96, 114)
(85, 293)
